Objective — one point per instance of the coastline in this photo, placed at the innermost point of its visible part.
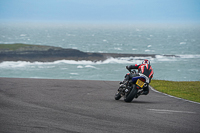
(26, 52)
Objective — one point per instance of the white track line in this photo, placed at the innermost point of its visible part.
(170, 111)
(172, 96)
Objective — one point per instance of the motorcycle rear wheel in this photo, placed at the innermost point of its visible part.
(130, 96)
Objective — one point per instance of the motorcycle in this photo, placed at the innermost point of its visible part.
(133, 88)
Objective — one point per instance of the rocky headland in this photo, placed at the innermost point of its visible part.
(25, 52)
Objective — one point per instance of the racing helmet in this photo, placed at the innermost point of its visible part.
(146, 62)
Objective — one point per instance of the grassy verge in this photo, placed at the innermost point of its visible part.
(189, 90)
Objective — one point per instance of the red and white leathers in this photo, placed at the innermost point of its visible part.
(145, 69)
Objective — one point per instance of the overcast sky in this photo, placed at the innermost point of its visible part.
(158, 11)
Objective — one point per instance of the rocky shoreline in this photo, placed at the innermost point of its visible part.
(48, 54)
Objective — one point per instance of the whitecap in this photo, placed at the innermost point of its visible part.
(73, 62)
(14, 64)
(23, 35)
(124, 60)
(188, 56)
(79, 67)
(182, 43)
(147, 50)
(90, 66)
(35, 77)
(117, 48)
(74, 73)
(74, 48)
(165, 58)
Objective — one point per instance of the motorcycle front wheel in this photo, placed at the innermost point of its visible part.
(130, 96)
(117, 96)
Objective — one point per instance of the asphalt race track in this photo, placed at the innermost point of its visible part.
(74, 106)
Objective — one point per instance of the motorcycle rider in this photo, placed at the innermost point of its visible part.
(144, 69)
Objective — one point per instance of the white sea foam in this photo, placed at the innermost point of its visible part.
(147, 50)
(190, 56)
(21, 64)
(117, 48)
(182, 43)
(23, 35)
(79, 67)
(13, 64)
(186, 56)
(73, 62)
(74, 73)
(165, 58)
(90, 64)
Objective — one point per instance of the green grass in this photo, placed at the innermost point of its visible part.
(189, 90)
(17, 46)
(13, 46)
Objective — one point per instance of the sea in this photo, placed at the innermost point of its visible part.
(180, 40)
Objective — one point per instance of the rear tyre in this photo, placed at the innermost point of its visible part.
(130, 96)
(117, 96)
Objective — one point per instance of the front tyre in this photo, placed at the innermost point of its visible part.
(117, 96)
(130, 96)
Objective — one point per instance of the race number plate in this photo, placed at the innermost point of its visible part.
(140, 83)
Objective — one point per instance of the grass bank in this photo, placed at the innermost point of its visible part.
(189, 90)
(21, 47)
(13, 46)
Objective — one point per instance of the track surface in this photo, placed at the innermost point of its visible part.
(72, 106)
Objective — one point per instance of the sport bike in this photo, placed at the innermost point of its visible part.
(133, 88)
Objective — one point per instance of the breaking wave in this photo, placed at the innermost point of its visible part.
(121, 60)
(189, 56)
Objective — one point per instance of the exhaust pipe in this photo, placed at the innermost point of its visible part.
(145, 85)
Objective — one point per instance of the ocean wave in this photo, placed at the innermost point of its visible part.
(189, 56)
(120, 60)
(14, 64)
(87, 64)
(165, 58)
(90, 66)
